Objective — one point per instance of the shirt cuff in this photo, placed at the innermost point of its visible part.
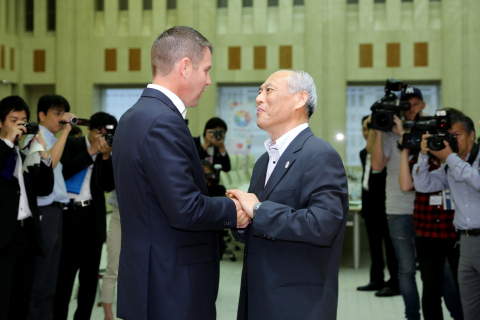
(9, 143)
(48, 161)
(223, 154)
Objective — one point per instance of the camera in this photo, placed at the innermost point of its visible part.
(389, 105)
(413, 139)
(109, 136)
(219, 134)
(443, 123)
(32, 127)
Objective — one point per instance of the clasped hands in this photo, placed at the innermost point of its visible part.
(244, 203)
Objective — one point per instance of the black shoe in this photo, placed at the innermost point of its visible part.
(372, 286)
(387, 292)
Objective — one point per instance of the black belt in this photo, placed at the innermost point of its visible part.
(81, 204)
(470, 232)
(58, 204)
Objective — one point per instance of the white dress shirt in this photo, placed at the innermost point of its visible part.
(275, 149)
(172, 96)
(85, 192)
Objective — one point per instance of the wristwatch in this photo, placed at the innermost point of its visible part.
(255, 209)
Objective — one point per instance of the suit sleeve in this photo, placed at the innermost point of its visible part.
(324, 192)
(75, 158)
(5, 153)
(169, 165)
(104, 172)
(223, 160)
(44, 180)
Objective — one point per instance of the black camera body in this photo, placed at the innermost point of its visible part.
(383, 110)
(219, 134)
(413, 139)
(109, 136)
(443, 123)
(32, 127)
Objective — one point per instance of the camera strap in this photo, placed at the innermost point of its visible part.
(472, 157)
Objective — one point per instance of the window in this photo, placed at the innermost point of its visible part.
(147, 4)
(123, 5)
(222, 3)
(172, 4)
(298, 2)
(352, 1)
(28, 15)
(99, 5)
(248, 3)
(51, 15)
(379, 1)
(273, 3)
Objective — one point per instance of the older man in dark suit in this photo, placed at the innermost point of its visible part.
(169, 261)
(298, 205)
(20, 235)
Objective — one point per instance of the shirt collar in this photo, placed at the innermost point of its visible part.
(172, 96)
(47, 135)
(284, 141)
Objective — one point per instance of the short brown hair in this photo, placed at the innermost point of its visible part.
(177, 43)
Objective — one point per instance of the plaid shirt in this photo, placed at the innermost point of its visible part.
(431, 221)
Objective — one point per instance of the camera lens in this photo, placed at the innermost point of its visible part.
(435, 143)
(382, 120)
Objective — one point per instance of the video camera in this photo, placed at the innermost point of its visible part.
(438, 128)
(389, 105)
(86, 122)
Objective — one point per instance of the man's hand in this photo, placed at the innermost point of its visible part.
(444, 153)
(423, 144)
(39, 138)
(104, 148)
(17, 130)
(247, 200)
(67, 117)
(243, 220)
(398, 127)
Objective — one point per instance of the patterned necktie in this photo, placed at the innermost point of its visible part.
(10, 166)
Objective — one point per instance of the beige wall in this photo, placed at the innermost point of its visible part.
(325, 35)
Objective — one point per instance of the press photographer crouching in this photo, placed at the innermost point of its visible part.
(20, 182)
(88, 173)
(460, 174)
(387, 124)
(435, 238)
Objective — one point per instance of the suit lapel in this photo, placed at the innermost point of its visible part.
(285, 162)
(258, 184)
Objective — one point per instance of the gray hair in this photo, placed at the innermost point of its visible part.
(175, 44)
(302, 81)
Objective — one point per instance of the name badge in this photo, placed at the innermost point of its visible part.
(436, 200)
(447, 200)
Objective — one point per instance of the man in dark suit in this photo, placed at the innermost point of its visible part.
(169, 262)
(373, 212)
(211, 145)
(298, 203)
(88, 172)
(20, 235)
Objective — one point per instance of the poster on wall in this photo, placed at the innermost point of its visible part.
(237, 107)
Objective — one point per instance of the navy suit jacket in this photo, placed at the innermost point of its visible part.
(169, 260)
(294, 244)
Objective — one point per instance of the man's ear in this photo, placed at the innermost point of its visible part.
(41, 116)
(185, 64)
(302, 98)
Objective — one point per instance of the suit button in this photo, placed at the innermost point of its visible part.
(245, 254)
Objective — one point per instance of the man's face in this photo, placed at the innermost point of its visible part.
(464, 140)
(198, 80)
(417, 106)
(10, 120)
(365, 129)
(51, 119)
(275, 105)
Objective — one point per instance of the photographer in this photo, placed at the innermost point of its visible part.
(88, 172)
(435, 240)
(399, 204)
(211, 146)
(51, 110)
(461, 175)
(20, 234)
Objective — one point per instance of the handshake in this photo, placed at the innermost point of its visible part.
(244, 203)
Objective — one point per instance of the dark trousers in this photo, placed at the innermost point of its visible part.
(431, 255)
(17, 263)
(81, 251)
(46, 267)
(378, 234)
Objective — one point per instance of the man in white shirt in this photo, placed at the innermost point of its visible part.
(20, 235)
(298, 203)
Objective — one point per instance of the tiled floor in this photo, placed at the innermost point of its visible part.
(352, 304)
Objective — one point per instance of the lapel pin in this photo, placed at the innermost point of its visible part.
(287, 164)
